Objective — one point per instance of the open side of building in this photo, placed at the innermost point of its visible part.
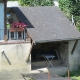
(48, 31)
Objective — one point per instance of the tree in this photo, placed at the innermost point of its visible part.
(36, 2)
(71, 7)
(12, 0)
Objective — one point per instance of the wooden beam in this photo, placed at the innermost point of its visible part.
(73, 49)
(5, 29)
(68, 74)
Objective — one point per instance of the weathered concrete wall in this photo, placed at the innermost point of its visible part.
(74, 59)
(14, 17)
(17, 55)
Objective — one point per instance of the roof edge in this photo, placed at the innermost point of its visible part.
(57, 40)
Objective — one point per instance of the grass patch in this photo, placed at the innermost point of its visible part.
(74, 74)
(30, 79)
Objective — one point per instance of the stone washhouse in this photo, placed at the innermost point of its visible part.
(47, 30)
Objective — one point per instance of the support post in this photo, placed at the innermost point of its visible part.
(17, 35)
(14, 35)
(68, 74)
(9, 35)
(48, 75)
(24, 34)
(5, 29)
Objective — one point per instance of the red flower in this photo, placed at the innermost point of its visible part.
(18, 25)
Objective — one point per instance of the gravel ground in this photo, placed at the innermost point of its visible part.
(43, 76)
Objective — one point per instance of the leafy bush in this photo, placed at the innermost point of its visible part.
(74, 74)
(71, 7)
(36, 2)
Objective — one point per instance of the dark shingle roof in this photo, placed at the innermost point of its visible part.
(47, 24)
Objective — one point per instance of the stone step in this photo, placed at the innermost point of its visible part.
(10, 75)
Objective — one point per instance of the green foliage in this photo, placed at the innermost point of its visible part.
(36, 2)
(77, 21)
(12, 0)
(75, 75)
(30, 79)
(63, 5)
(71, 7)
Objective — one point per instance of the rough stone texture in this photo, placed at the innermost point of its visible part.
(74, 59)
(44, 47)
(17, 55)
(63, 50)
(61, 47)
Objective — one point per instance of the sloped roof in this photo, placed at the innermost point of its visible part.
(47, 24)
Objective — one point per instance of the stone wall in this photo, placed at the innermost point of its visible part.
(74, 59)
(61, 47)
(63, 50)
(44, 47)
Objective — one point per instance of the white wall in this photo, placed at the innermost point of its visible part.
(12, 4)
(1, 21)
(17, 55)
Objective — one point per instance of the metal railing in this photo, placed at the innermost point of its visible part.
(12, 35)
(15, 35)
(2, 34)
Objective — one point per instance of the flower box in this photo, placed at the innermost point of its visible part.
(12, 30)
(16, 29)
(19, 29)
